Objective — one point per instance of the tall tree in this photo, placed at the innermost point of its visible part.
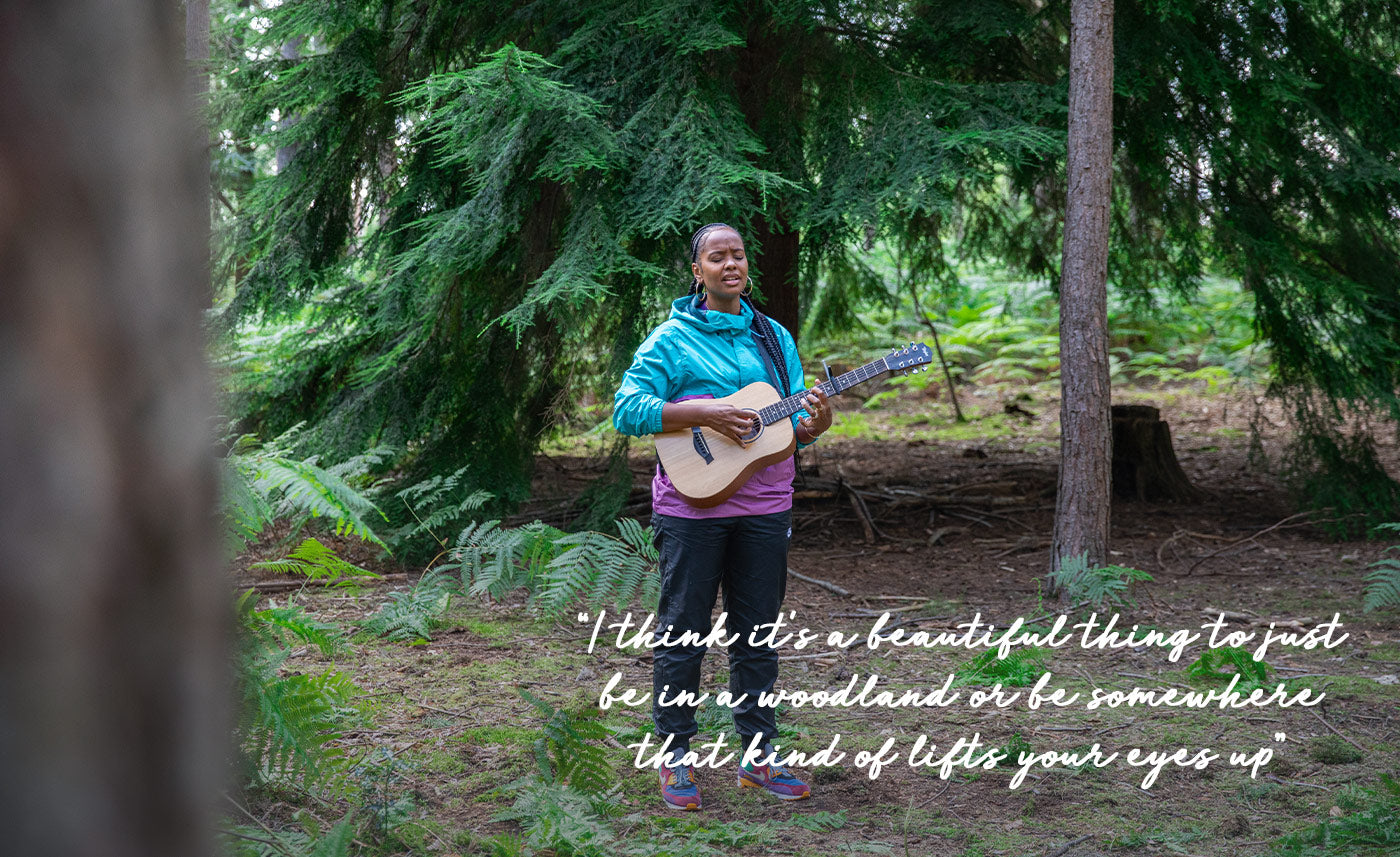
(552, 158)
(548, 158)
(113, 699)
(1082, 500)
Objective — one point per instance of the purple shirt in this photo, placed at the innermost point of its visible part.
(767, 491)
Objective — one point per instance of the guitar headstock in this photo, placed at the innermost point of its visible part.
(913, 357)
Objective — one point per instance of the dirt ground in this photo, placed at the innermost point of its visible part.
(959, 522)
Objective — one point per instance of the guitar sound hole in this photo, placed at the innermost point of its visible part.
(757, 430)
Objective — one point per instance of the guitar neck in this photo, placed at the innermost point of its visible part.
(832, 387)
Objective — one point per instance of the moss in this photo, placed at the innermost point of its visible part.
(1331, 750)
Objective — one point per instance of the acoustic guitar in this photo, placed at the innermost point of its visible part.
(707, 468)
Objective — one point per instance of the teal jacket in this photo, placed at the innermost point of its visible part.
(696, 353)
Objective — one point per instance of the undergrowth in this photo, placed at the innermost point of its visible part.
(1383, 581)
(1368, 824)
(1109, 584)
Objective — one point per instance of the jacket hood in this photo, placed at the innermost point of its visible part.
(689, 311)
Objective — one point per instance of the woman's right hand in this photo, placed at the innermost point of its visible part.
(730, 421)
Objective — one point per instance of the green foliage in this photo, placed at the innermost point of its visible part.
(246, 841)
(266, 481)
(566, 752)
(1383, 581)
(571, 805)
(1220, 665)
(384, 795)
(1368, 827)
(494, 560)
(599, 569)
(286, 722)
(1020, 668)
(451, 502)
(558, 569)
(1340, 477)
(316, 562)
(1331, 750)
(1110, 584)
(412, 615)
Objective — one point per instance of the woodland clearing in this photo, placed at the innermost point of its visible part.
(450, 714)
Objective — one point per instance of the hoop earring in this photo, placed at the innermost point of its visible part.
(748, 287)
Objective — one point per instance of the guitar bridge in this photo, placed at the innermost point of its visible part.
(702, 447)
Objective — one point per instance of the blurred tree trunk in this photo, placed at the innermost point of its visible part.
(1082, 501)
(113, 699)
(197, 56)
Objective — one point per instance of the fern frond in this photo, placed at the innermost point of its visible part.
(1218, 665)
(1382, 585)
(291, 719)
(1106, 584)
(315, 561)
(413, 615)
(599, 569)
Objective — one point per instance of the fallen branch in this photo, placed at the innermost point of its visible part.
(1068, 845)
(828, 586)
(269, 587)
(1249, 538)
(1324, 722)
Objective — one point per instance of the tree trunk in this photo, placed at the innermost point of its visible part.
(769, 77)
(114, 704)
(1144, 463)
(197, 56)
(1082, 502)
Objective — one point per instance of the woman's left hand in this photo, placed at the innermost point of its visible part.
(819, 409)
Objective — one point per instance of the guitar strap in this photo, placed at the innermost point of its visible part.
(779, 378)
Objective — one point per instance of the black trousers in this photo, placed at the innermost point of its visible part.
(745, 556)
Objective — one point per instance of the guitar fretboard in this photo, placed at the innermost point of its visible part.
(833, 387)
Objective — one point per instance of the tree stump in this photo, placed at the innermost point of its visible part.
(1144, 464)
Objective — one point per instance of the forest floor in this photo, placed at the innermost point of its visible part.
(959, 522)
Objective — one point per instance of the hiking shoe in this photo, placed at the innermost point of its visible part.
(776, 779)
(678, 788)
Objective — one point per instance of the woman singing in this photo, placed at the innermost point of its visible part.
(713, 344)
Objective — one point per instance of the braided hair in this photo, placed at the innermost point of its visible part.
(767, 336)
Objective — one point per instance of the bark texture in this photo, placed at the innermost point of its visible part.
(113, 690)
(768, 78)
(1082, 501)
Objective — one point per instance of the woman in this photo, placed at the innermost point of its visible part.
(713, 344)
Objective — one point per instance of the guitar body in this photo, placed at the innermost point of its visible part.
(707, 468)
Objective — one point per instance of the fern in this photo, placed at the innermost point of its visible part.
(276, 485)
(245, 841)
(413, 615)
(1220, 665)
(287, 722)
(443, 494)
(1106, 584)
(313, 560)
(1020, 668)
(600, 569)
(277, 627)
(565, 754)
(493, 560)
(557, 568)
(1383, 582)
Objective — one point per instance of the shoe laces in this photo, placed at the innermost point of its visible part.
(681, 777)
(775, 771)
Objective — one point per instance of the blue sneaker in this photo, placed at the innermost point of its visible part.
(678, 788)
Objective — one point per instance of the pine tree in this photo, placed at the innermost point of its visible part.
(487, 209)
(488, 203)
